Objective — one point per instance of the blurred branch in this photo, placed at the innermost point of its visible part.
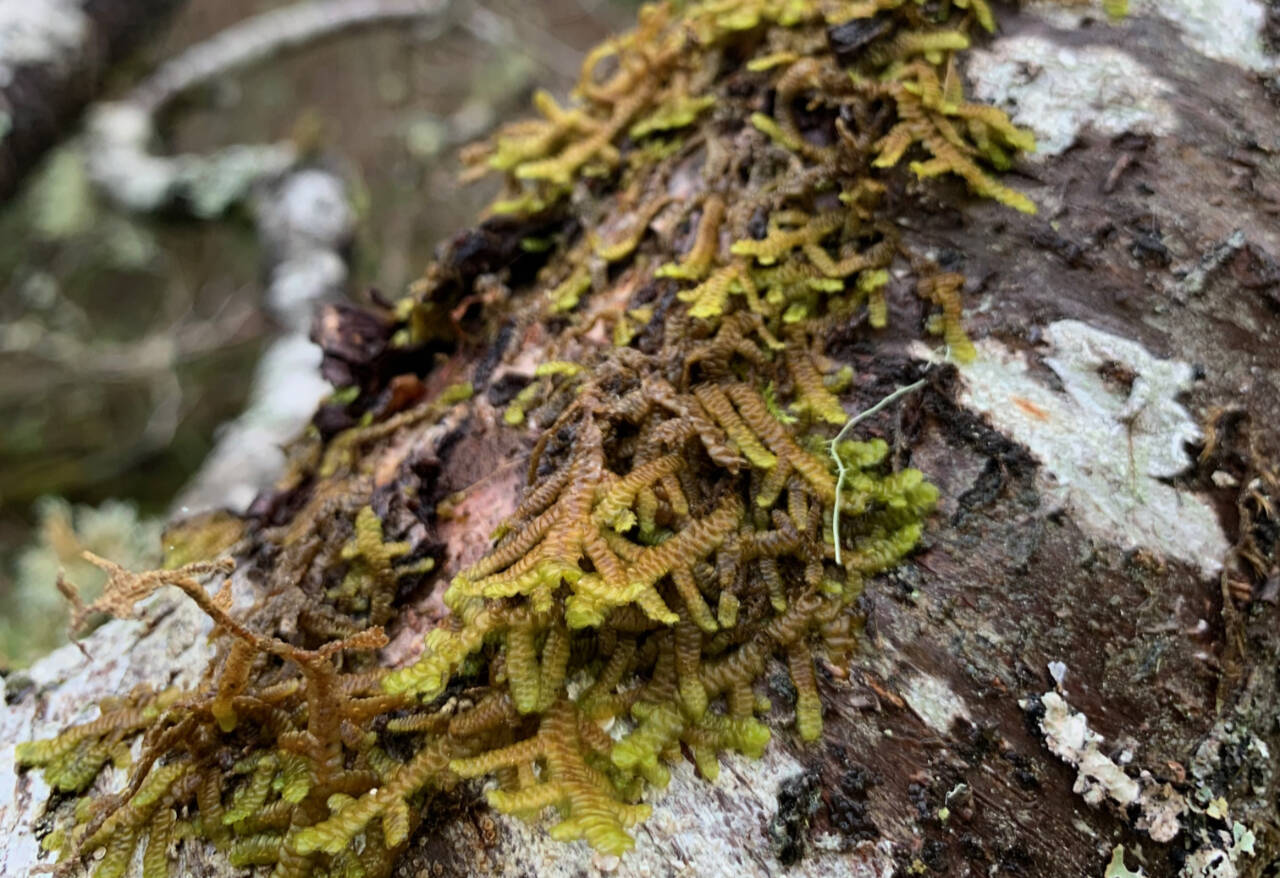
(264, 36)
(54, 58)
(304, 214)
(121, 132)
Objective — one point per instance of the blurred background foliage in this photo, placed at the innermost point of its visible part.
(125, 340)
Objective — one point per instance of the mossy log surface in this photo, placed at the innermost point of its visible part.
(933, 756)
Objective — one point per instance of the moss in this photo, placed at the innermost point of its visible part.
(372, 577)
(677, 113)
(1116, 8)
(691, 514)
(201, 537)
(566, 295)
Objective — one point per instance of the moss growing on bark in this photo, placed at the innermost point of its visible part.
(687, 519)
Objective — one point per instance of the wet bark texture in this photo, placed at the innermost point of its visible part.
(933, 758)
(43, 90)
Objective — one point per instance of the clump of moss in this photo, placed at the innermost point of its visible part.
(689, 518)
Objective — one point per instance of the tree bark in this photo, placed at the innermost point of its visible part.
(1104, 553)
(54, 58)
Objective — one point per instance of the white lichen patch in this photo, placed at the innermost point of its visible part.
(1105, 439)
(50, 32)
(122, 165)
(1068, 736)
(1159, 808)
(934, 702)
(1208, 863)
(1100, 780)
(1219, 861)
(1057, 90)
(1226, 30)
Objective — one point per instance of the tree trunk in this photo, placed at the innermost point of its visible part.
(54, 58)
(1102, 562)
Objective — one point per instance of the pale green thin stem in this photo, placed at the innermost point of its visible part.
(840, 467)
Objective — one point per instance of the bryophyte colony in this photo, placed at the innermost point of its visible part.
(709, 209)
